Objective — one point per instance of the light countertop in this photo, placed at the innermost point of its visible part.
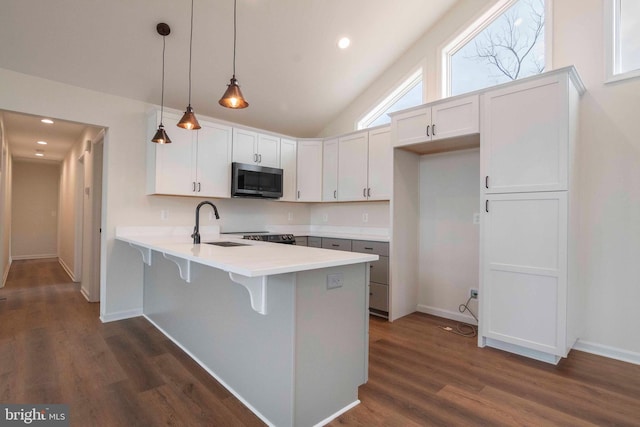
(253, 260)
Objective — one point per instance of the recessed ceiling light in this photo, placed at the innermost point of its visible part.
(42, 142)
(39, 153)
(344, 42)
(47, 121)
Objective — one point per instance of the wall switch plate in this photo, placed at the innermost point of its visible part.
(164, 214)
(334, 281)
(473, 293)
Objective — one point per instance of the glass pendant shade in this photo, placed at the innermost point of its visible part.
(232, 97)
(161, 136)
(189, 120)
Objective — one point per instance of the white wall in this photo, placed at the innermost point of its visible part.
(609, 161)
(352, 214)
(5, 205)
(34, 226)
(449, 241)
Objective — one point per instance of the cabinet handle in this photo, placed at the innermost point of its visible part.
(364, 192)
(335, 194)
(198, 187)
(255, 158)
(298, 194)
(433, 130)
(428, 130)
(368, 192)
(486, 181)
(369, 249)
(486, 205)
(193, 186)
(259, 158)
(335, 245)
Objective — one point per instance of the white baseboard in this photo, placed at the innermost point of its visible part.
(120, 315)
(85, 294)
(66, 268)
(452, 315)
(36, 256)
(337, 414)
(607, 351)
(6, 272)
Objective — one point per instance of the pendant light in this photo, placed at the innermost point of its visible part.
(189, 120)
(161, 136)
(232, 97)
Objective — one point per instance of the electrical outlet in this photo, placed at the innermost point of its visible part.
(290, 216)
(334, 281)
(365, 217)
(325, 217)
(473, 293)
(164, 215)
(476, 218)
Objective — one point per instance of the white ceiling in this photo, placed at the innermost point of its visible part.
(290, 70)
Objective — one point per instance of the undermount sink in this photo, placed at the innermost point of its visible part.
(226, 244)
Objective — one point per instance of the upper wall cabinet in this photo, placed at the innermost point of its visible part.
(524, 138)
(330, 170)
(256, 148)
(446, 119)
(196, 163)
(309, 170)
(364, 165)
(288, 159)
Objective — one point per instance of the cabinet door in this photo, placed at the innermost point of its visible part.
(288, 159)
(524, 280)
(330, 170)
(455, 118)
(309, 171)
(213, 160)
(245, 144)
(410, 127)
(174, 162)
(268, 151)
(525, 131)
(380, 158)
(352, 167)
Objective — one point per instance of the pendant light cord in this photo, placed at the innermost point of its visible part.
(190, 47)
(164, 40)
(235, 2)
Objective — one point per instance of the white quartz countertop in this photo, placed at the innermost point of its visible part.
(253, 260)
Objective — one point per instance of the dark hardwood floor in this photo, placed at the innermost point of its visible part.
(54, 349)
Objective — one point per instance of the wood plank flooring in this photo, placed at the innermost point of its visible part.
(54, 349)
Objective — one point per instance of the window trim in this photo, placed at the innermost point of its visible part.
(612, 44)
(476, 26)
(400, 90)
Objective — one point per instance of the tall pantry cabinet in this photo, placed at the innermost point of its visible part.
(529, 295)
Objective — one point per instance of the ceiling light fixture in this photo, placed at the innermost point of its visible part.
(39, 153)
(47, 121)
(42, 142)
(189, 120)
(161, 136)
(232, 97)
(344, 43)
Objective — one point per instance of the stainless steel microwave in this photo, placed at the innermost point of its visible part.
(255, 181)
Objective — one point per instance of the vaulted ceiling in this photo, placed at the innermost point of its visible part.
(288, 65)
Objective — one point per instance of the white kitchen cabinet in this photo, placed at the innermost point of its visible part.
(364, 165)
(524, 292)
(529, 295)
(256, 148)
(196, 163)
(353, 167)
(524, 140)
(288, 160)
(330, 170)
(380, 156)
(309, 170)
(440, 120)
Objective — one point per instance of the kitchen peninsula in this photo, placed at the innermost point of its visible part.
(283, 327)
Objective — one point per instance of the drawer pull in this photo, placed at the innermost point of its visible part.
(335, 245)
(369, 249)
